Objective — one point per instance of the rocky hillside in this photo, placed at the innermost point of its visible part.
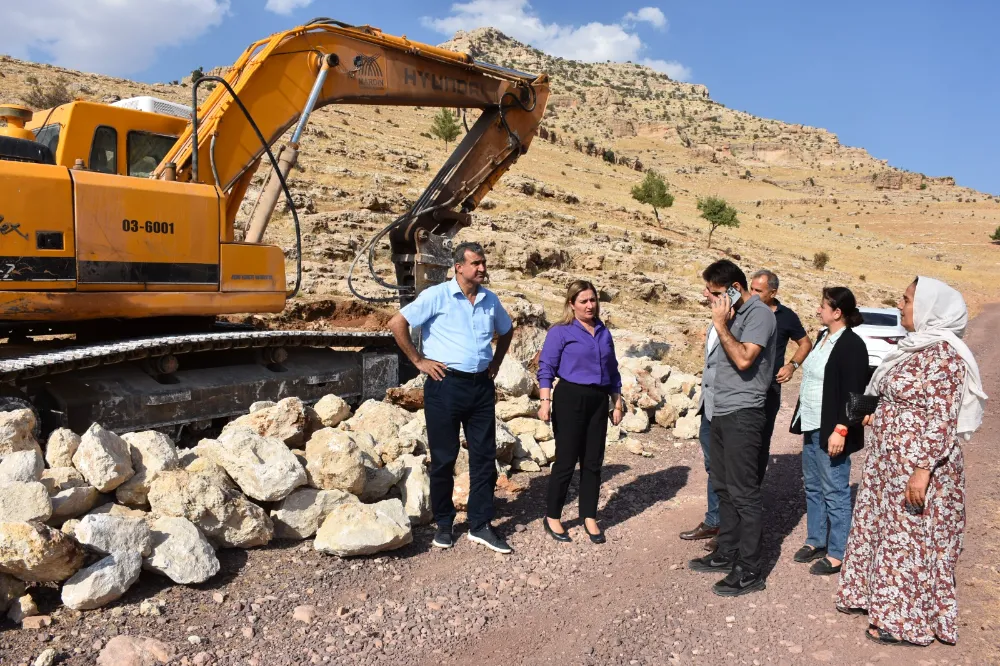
(565, 209)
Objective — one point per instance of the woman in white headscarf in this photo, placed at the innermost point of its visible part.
(909, 518)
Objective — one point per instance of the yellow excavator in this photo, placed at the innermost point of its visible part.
(119, 246)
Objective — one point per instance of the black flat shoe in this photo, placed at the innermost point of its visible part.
(824, 568)
(595, 538)
(555, 535)
(851, 611)
(883, 637)
(808, 554)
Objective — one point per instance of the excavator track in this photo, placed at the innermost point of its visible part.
(196, 379)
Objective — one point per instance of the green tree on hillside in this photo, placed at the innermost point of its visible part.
(718, 213)
(653, 191)
(196, 74)
(996, 236)
(445, 126)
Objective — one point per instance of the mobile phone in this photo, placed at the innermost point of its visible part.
(733, 294)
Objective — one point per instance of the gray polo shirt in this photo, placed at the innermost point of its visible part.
(739, 389)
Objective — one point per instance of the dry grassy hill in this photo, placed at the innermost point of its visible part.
(565, 209)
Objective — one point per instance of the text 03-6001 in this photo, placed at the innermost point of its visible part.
(148, 226)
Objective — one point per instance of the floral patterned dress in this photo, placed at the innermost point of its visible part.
(900, 566)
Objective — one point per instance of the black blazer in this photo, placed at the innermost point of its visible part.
(846, 372)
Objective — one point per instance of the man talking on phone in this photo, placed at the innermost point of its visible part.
(745, 360)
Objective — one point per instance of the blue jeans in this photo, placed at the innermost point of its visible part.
(712, 515)
(828, 496)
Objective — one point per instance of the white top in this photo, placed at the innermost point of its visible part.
(811, 391)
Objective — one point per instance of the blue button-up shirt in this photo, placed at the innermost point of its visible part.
(453, 330)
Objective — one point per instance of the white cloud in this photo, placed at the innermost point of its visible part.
(651, 15)
(591, 42)
(671, 68)
(116, 37)
(286, 6)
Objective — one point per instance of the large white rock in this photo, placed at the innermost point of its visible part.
(635, 421)
(527, 342)
(537, 428)
(56, 479)
(299, 515)
(362, 529)
(107, 534)
(521, 406)
(180, 551)
(379, 480)
(681, 402)
(631, 343)
(514, 380)
(679, 382)
(415, 428)
(332, 410)
(390, 450)
(37, 553)
(24, 501)
(415, 490)
(22, 466)
(22, 607)
(334, 462)
(286, 421)
(381, 420)
(548, 447)
(151, 452)
(10, 590)
(103, 458)
(102, 582)
(72, 503)
(226, 517)
(61, 446)
(687, 427)
(506, 442)
(16, 431)
(527, 447)
(666, 416)
(263, 467)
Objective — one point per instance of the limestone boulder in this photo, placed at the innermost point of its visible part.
(134, 651)
(299, 515)
(415, 428)
(660, 371)
(21, 608)
(72, 503)
(614, 433)
(24, 501)
(687, 427)
(332, 410)
(17, 429)
(527, 343)
(666, 416)
(61, 446)
(287, 421)
(107, 534)
(381, 420)
(11, 590)
(514, 380)
(192, 461)
(380, 480)
(527, 447)
(56, 479)
(261, 404)
(363, 529)
(682, 383)
(102, 582)
(151, 452)
(21, 466)
(681, 402)
(415, 490)
(520, 407)
(392, 449)
(180, 551)
(227, 518)
(633, 344)
(506, 442)
(409, 396)
(460, 491)
(635, 421)
(537, 428)
(525, 465)
(548, 447)
(37, 553)
(263, 467)
(334, 462)
(103, 458)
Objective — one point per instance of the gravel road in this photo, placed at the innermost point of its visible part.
(631, 601)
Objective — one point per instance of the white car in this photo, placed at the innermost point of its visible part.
(881, 332)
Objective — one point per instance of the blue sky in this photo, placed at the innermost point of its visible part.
(913, 82)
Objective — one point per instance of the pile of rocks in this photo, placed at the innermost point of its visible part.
(99, 508)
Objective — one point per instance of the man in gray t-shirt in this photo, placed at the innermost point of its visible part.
(744, 360)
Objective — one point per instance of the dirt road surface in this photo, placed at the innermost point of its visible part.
(631, 601)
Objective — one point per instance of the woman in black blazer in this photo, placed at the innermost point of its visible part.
(836, 366)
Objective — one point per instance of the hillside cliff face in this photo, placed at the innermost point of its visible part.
(565, 209)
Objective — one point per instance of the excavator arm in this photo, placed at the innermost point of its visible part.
(282, 79)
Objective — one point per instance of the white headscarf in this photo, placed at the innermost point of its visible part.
(940, 315)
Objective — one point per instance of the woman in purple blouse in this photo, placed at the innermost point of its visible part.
(580, 352)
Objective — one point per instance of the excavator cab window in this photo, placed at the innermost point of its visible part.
(104, 150)
(146, 150)
(48, 136)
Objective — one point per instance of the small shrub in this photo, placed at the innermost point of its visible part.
(923, 186)
(996, 236)
(48, 97)
(609, 156)
(196, 74)
(857, 226)
(820, 260)
(862, 278)
(958, 267)
(597, 186)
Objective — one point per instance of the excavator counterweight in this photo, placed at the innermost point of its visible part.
(119, 246)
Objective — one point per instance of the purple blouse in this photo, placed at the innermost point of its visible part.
(573, 354)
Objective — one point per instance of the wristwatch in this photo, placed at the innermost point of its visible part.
(840, 430)
(795, 364)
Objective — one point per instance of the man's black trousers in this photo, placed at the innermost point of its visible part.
(736, 442)
(772, 403)
(580, 423)
(467, 401)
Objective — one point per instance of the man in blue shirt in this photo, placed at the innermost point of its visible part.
(458, 320)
